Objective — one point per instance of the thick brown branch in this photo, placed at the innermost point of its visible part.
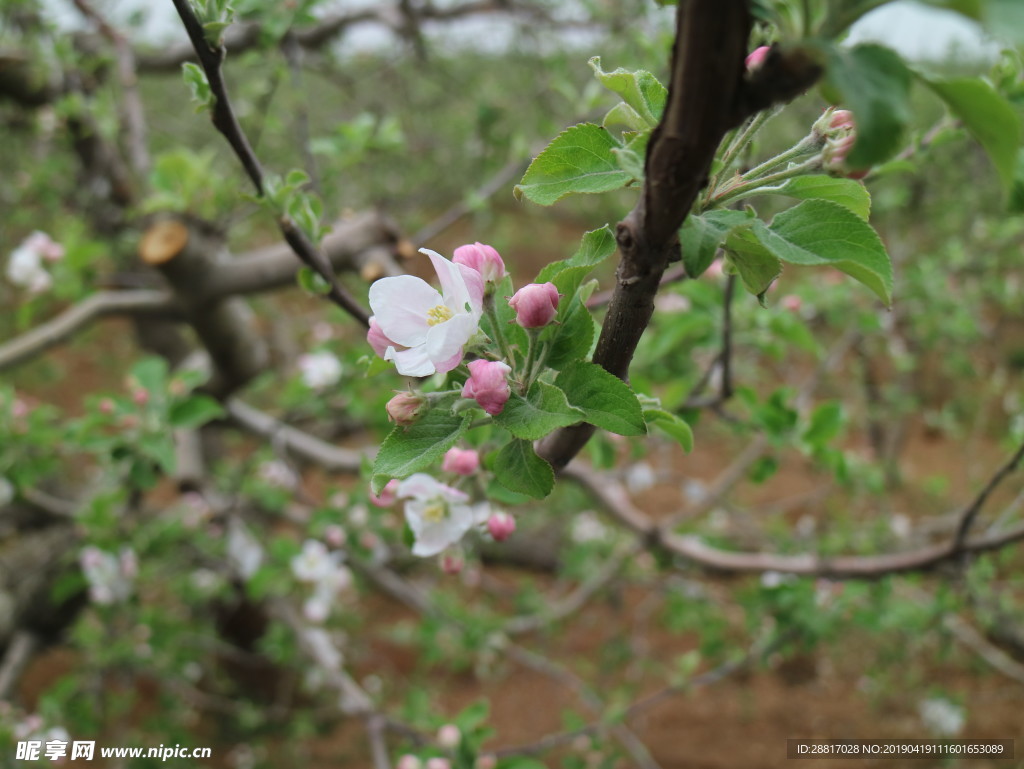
(709, 94)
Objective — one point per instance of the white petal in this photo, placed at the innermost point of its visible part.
(411, 362)
(435, 537)
(419, 486)
(461, 285)
(445, 339)
(400, 305)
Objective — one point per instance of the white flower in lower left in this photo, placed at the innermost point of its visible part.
(438, 515)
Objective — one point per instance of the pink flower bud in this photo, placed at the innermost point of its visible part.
(449, 736)
(483, 259)
(837, 129)
(452, 562)
(408, 761)
(140, 396)
(378, 340)
(842, 119)
(387, 495)
(488, 385)
(536, 304)
(334, 535)
(439, 763)
(756, 57)
(792, 302)
(488, 761)
(461, 461)
(106, 406)
(501, 525)
(405, 408)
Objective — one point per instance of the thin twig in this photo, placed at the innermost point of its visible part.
(19, 651)
(133, 116)
(972, 510)
(226, 122)
(294, 441)
(79, 316)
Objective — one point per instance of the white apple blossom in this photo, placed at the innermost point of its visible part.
(320, 369)
(109, 576)
(425, 331)
(244, 550)
(277, 473)
(438, 515)
(314, 562)
(942, 717)
(25, 265)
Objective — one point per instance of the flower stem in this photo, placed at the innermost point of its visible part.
(499, 335)
(531, 355)
(742, 190)
(740, 141)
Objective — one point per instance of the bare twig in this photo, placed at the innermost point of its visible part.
(293, 441)
(626, 737)
(976, 642)
(19, 652)
(226, 122)
(133, 116)
(972, 510)
(616, 501)
(431, 230)
(77, 317)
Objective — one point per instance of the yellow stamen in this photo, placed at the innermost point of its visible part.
(434, 513)
(439, 314)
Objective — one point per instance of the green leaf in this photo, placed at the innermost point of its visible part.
(596, 246)
(410, 449)
(874, 83)
(623, 114)
(700, 237)
(151, 374)
(825, 424)
(518, 468)
(607, 402)
(987, 116)
(542, 411)
(631, 157)
(673, 426)
(818, 232)
(195, 412)
(972, 9)
(757, 266)
(579, 160)
(309, 280)
(640, 90)
(1016, 203)
(1004, 19)
(571, 337)
(498, 493)
(848, 193)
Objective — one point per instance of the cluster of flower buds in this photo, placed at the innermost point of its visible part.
(837, 130)
(425, 331)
